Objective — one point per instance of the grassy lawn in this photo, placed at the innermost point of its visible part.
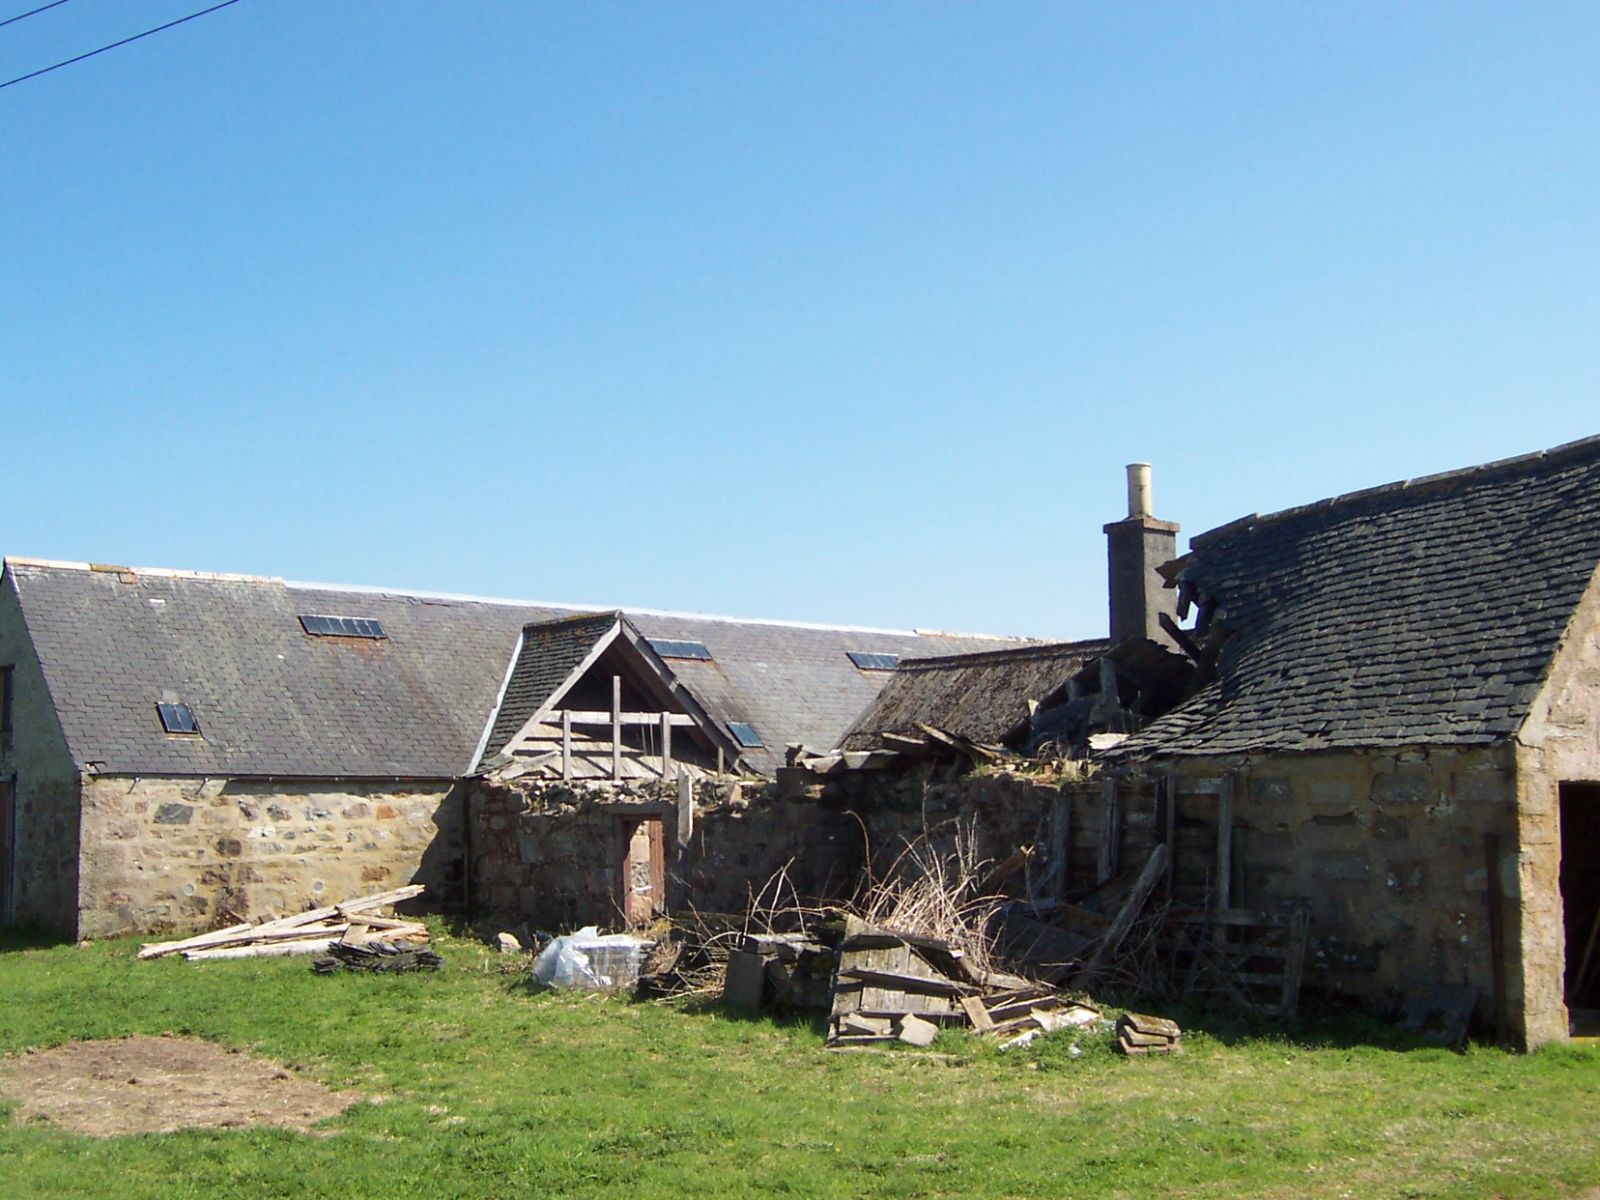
(484, 1089)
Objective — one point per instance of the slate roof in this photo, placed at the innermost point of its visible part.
(982, 696)
(272, 700)
(1419, 613)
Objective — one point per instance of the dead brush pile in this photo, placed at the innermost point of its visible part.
(945, 894)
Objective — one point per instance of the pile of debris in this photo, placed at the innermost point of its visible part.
(690, 957)
(790, 970)
(895, 986)
(314, 932)
(376, 956)
(1140, 1034)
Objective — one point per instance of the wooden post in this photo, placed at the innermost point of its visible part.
(719, 763)
(616, 727)
(1060, 814)
(666, 745)
(566, 744)
(1224, 892)
(1110, 831)
(685, 811)
(1171, 839)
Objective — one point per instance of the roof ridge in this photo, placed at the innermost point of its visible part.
(632, 611)
(53, 564)
(1420, 485)
(608, 614)
(1039, 650)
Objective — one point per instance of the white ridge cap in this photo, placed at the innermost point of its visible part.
(53, 564)
(631, 610)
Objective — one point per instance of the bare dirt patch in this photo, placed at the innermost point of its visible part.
(158, 1084)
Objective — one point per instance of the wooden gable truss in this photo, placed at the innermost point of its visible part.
(621, 714)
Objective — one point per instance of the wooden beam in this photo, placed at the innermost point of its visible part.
(585, 716)
(1060, 818)
(685, 811)
(616, 727)
(666, 745)
(566, 745)
(1110, 831)
(1224, 890)
(1154, 866)
(1170, 782)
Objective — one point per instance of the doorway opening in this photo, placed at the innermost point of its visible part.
(644, 873)
(1580, 903)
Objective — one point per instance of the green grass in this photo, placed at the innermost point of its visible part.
(488, 1090)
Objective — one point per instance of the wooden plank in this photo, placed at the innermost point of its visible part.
(976, 1013)
(270, 950)
(1224, 889)
(1299, 934)
(1236, 916)
(566, 745)
(1129, 912)
(1170, 783)
(905, 981)
(616, 727)
(666, 745)
(585, 716)
(685, 811)
(1060, 822)
(1110, 831)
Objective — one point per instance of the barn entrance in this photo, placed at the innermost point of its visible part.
(1580, 902)
(644, 874)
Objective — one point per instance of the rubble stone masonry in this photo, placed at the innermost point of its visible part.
(165, 853)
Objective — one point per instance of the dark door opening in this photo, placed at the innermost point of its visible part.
(1580, 900)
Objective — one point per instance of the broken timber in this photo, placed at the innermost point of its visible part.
(303, 933)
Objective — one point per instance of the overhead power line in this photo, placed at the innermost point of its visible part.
(33, 12)
(79, 58)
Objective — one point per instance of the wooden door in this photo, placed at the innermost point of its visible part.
(643, 869)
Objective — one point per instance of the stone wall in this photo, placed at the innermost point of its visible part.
(1387, 853)
(550, 854)
(35, 759)
(164, 853)
(1559, 743)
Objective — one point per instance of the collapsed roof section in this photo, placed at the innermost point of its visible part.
(980, 696)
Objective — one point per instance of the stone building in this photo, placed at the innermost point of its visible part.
(1395, 718)
(177, 747)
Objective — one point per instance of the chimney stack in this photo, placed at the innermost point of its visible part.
(1135, 547)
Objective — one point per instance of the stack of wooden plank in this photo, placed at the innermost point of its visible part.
(350, 922)
(897, 986)
(1141, 1034)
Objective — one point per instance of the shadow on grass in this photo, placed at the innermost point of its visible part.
(1330, 1027)
(29, 937)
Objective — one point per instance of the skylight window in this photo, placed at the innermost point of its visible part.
(745, 735)
(872, 661)
(668, 648)
(357, 627)
(177, 718)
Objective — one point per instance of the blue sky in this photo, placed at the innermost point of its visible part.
(825, 312)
